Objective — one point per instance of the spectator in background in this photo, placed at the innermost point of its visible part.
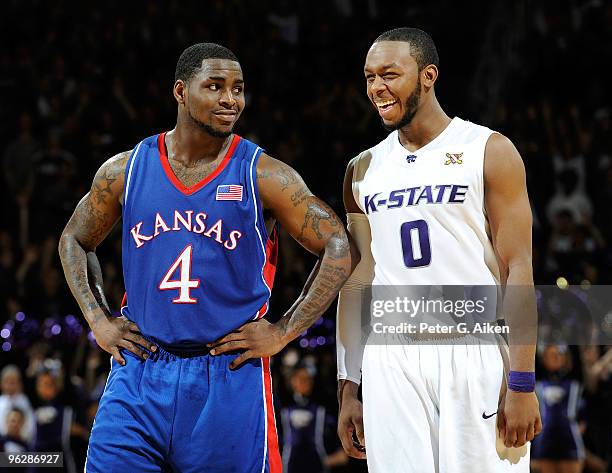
(574, 250)
(18, 159)
(567, 154)
(308, 432)
(13, 441)
(54, 420)
(8, 285)
(561, 240)
(52, 302)
(12, 396)
(604, 198)
(18, 169)
(587, 247)
(55, 169)
(570, 197)
(36, 354)
(27, 274)
(597, 369)
(559, 447)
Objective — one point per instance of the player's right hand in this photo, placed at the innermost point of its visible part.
(350, 421)
(114, 333)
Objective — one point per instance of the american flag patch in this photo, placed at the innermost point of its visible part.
(229, 192)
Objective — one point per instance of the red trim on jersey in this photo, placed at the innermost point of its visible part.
(124, 300)
(163, 157)
(269, 269)
(274, 458)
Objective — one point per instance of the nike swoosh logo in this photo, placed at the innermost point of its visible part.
(484, 416)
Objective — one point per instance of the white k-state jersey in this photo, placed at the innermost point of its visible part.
(426, 209)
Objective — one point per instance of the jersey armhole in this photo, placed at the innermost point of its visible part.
(360, 168)
(260, 221)
(482, 173)
(128, 177)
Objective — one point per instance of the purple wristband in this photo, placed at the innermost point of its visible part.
(521, 381)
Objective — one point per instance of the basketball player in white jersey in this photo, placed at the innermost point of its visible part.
(458, 189)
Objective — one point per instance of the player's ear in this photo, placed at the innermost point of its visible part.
(429, 75)
(179, 91)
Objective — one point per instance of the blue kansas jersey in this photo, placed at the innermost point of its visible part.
(197, 261)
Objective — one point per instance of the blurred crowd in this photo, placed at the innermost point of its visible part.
(83, 81)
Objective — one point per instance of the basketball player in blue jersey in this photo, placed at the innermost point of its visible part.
(189, 388)
(440, 201)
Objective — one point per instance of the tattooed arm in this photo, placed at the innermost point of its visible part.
(317, 228)
(92, 220)
(96, 282)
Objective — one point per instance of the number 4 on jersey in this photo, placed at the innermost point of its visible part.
(185, 283)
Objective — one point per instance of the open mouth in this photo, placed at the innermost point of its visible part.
(385, 105)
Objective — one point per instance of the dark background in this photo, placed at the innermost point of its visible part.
(80, 82)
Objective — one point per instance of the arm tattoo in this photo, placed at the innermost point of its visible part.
(108, 174)
(317, 213)
(75, 263)
(263, 173)
(286, 177)
(91, 221)
(100, 193)
(319, 230)
(332, 270)
(95, 220)
(326, 283)
(299, 196)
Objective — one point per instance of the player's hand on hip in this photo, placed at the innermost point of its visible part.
(350, 421)
(518, 418)
(114, 333)
(257, 339)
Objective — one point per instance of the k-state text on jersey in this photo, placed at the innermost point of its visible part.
(438, 194)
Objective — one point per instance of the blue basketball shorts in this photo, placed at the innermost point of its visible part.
(180, 414)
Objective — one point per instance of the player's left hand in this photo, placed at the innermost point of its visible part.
(257, 339)
(518, 418)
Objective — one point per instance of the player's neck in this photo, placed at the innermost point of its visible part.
(190, 144)
(426, 125)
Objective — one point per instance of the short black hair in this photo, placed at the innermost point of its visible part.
(19, 410)
(190, 61)
(422, 47)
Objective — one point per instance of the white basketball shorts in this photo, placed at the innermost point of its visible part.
(424, 405)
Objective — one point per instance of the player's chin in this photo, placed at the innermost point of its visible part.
(391, 118)
(221, 131)
(224, 123)
(389, 125)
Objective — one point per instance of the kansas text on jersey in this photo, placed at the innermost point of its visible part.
(197, 261)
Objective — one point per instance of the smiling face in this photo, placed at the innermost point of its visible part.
(393, 82)
(214, 96)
